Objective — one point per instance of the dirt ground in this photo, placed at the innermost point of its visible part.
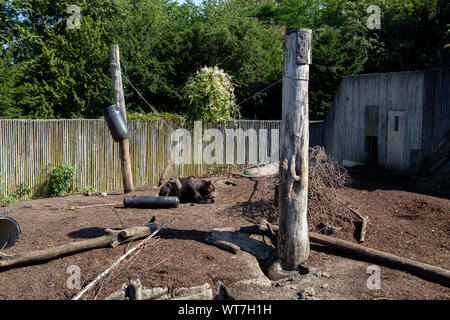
(407, 218)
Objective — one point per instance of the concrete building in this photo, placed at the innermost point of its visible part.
(395, 120)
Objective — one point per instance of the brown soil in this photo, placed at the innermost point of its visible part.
(407, 218)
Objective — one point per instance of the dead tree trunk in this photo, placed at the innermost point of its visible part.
(293, 241)
(119, 98)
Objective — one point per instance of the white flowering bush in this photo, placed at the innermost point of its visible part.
(209, 96)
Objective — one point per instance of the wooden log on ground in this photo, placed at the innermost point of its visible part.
(424, 270)
(364, 221)
(98, 205)
(362, 235)
(420, 269)
(240, 175)
(108, 270)
(225, 245)
(112, 239)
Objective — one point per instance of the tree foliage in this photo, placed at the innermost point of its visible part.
(50, 71)
(209, 95)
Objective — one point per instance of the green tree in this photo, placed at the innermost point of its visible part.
(72, 74)
(411, 37)
(9, 86)
(339, 46)
(63, 73)
(185, 38)
(49, 71)
(229, 36)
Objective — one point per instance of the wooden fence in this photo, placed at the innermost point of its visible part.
(28, 149)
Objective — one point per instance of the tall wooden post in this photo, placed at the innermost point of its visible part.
(119, 98)
(293, 239)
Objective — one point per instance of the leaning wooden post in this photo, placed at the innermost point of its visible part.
(293, 240)
(119, 98)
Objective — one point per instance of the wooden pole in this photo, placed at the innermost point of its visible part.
(293, 240)
(119, 98)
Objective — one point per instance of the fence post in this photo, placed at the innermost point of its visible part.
(119, 98)
(293, 239)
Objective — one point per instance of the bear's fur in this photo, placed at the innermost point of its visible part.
(190, 189)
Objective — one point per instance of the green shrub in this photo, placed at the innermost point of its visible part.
(85, 189)
(21, 192)
(209, 96)
(60, 179)
(153, 116)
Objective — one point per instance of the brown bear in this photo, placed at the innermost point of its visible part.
(190, 189)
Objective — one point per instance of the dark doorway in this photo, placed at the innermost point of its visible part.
(371, 149)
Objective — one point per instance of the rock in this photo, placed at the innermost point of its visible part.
(155, 294)
(265, 170)
(245, 241)
(135, 291)
(307, 294)
(103, 194)
(321, 274)
(119, 295)
(203, 292)
(276, 272)
(324, 286)
(257, 275)
(222, 293)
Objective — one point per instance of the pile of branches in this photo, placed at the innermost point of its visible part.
(326, 176)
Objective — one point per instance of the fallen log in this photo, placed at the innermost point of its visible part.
(362, 235)
(364, 221)
(383, 258)
(240, 175)
(97, 205)
(108, 270)
(112, 239)
(225, 245)
(423, 270)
